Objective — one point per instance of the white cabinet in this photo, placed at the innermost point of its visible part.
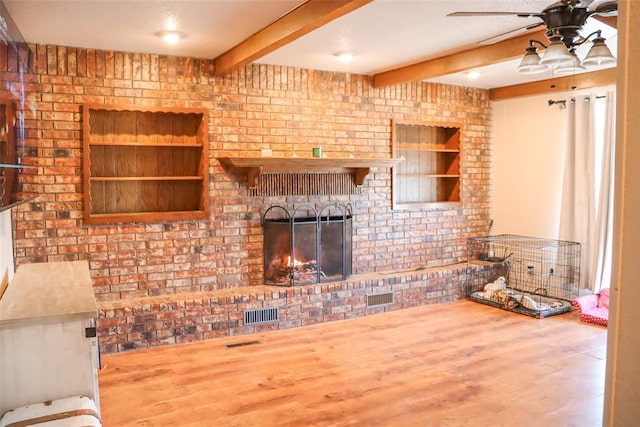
(44, 352)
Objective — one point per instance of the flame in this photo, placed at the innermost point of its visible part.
(296, 263)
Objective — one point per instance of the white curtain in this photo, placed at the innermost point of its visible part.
(587, 196)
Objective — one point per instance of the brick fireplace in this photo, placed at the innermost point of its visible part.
(162, 283)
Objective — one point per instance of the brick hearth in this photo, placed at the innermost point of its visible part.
(155, 321)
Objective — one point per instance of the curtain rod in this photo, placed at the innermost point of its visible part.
(562, 103)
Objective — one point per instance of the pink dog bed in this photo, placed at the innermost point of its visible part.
(594, 308)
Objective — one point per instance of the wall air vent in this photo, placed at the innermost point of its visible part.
(303, 184)
(379, 299)
(261, 316)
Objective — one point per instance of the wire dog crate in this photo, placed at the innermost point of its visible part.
(532, 276)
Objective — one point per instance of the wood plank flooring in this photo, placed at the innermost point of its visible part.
(456, 364)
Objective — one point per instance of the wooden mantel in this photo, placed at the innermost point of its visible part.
(254, 166)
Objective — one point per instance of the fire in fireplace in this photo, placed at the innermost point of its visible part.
(307, 246)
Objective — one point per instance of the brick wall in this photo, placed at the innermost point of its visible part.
(288, 110)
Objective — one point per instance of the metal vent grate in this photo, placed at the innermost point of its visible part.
(379, 299)
(261, 315)
(304, 184)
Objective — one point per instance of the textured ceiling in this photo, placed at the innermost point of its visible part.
(382, 35)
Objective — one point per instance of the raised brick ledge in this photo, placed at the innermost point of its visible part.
(185, 317)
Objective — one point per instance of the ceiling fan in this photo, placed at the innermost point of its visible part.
(565, 18)
(563, 21)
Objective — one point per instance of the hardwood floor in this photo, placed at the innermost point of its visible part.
(456, 364)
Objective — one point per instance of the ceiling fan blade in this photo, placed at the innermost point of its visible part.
(607, 8)
(509, 34)
(531, 27)
(491, 14)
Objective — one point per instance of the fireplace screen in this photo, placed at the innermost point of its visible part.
(305, 249)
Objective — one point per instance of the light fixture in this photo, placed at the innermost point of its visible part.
(473, 74)
(556, 53)
(599, 54)
(344, 56)
(562, 56)
(530, 63)
(570, 68)
(171, 37)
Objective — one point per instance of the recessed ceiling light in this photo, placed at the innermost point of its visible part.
(344, 56)
(473, 74)
(171, 37)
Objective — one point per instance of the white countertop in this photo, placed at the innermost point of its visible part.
(48, 292)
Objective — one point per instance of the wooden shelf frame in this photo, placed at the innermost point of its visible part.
(146, 178)
(253, 167)
(432, 175)
(144, 144)
(145, 164)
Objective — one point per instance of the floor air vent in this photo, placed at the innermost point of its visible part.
(242, 344)
(379, 299)
(260, 316)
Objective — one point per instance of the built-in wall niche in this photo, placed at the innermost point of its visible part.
(429, 177)
(145, 164)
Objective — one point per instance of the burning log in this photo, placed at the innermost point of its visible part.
(300, 271)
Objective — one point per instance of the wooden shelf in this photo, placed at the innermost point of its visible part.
(430, 177)
(143, 144)
(145, 178)
(254, 166)
(429, 149)
(145, 164)
(191, 215)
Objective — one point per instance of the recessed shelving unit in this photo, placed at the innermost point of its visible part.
(145, 164)
(430, 175)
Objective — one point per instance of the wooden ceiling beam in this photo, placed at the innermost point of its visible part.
(302, 20)
(611, 21)
(559, 84)
(457, 62)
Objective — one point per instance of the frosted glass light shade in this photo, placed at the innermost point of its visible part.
(556, 54)
(530, 63)
(570, 68)
(599, 54)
